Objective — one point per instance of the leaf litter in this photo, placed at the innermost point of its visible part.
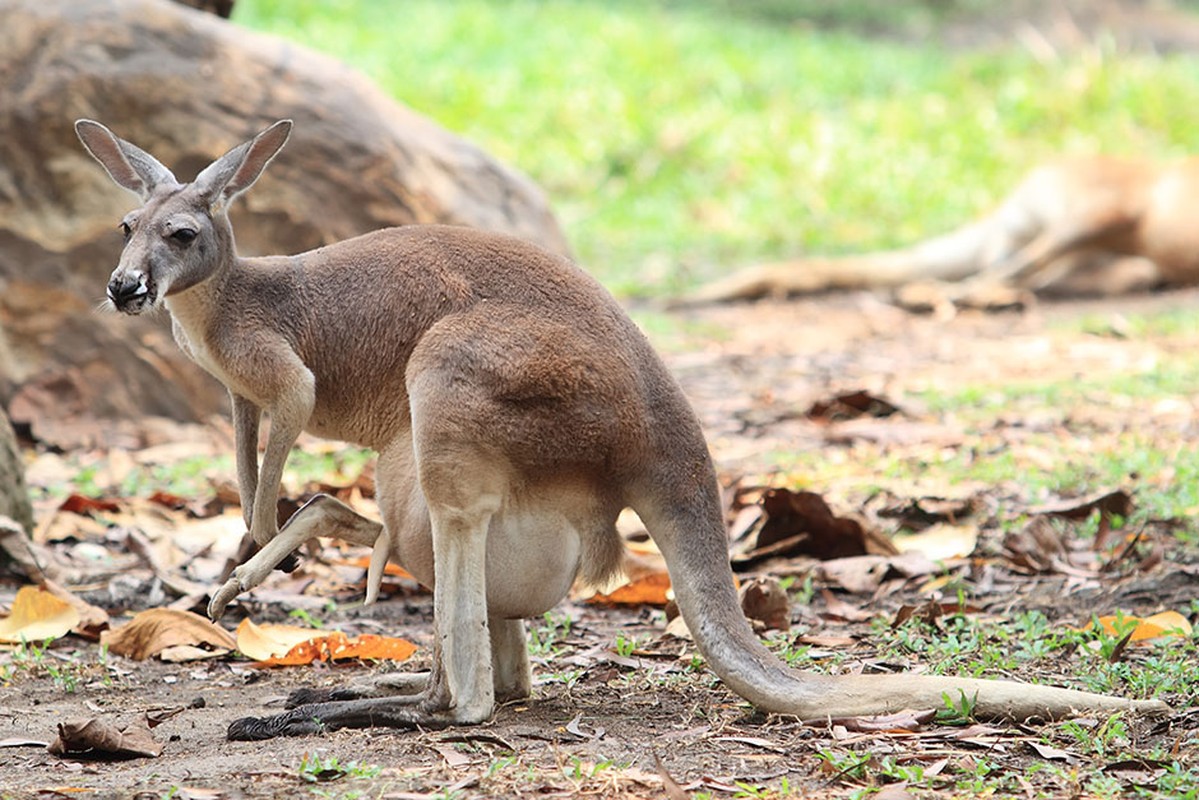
(860, 550)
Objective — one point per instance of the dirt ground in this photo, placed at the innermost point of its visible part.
(599, 719)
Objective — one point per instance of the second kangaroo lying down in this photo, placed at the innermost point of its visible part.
(1085, 226)
(516, 410)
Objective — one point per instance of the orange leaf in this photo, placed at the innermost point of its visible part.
(337, 646)
(78, 504)
(364, 562)
(37, 615)
(648, 590)
(1167, 623)
(262, 642)
(172, 501)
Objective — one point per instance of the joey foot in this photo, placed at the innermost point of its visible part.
(289, 562)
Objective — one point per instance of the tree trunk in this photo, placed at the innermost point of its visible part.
(14, 500)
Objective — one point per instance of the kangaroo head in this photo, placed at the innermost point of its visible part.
(181, 235)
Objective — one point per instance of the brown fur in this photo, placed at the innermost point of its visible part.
(1083, 226)
(516, 410)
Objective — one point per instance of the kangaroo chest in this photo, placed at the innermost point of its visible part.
(197, 349)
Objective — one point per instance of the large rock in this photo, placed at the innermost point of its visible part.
(186, 86)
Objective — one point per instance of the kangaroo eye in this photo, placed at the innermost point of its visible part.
(126, 231)
(184, 235)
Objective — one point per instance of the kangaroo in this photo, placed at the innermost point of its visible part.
(515, 409)
(1081, 226)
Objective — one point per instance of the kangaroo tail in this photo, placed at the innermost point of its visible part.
(691, 535)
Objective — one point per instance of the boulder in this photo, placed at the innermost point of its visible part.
(187, 86)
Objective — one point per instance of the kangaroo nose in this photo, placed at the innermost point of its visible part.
(125, 290)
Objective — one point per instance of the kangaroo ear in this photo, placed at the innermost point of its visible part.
(128, 165)
(233, 173)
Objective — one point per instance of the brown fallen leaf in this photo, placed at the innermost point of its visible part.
(851, 405)
(1117, 502)
(899, 721)
(918, 513)
(1040, 546)
(186, 653)
(753, 741)
(836, 608)
(1051, 753)
(20, 741)
(152, 631)
(802, 523)
(930, 612)
(764, 600)
(940, 541)
(864, 574)
(37, 615)
(95, 738)
(821, 640)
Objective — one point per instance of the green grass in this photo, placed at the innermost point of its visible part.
(677, 140)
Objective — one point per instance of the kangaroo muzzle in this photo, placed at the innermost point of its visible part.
(129, 293)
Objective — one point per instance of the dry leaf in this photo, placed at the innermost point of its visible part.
(98, 739)
(801, 523)
(1039, 546)
(1117, 502)
(1051, 753)
(650, 590)
(826, 640)
(21, 741)
(261, 642)
(764, 600)
(836, 608)
(865, 574)
(851, 405)
(930, 612)
(918, 513)
(338, 647)
(677, 628)
(152, 631)
(92, 619)
(1167, 623)
(78, 504)
(899, 721)
(893, 791)
(37, 615)
(364, 562)
(183, 653)
(939, 542)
